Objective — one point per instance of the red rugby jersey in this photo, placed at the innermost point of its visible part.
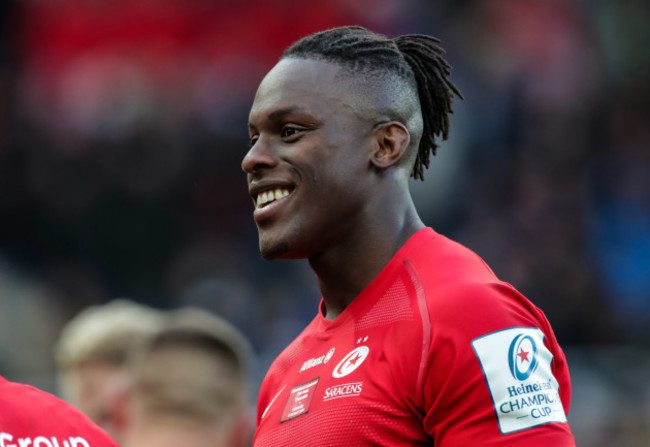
(33, 418)
(434, 351)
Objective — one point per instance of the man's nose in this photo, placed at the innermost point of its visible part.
(259, 156)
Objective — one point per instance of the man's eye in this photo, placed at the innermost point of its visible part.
(289, 131)
(252, 140)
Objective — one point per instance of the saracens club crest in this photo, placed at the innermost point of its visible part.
(351, 362)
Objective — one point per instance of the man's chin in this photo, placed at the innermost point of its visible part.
(275, 251)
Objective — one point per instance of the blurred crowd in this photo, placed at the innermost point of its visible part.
(123, 125)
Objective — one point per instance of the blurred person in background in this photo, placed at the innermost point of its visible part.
(417, 342)
(188, 385)
(92, 354)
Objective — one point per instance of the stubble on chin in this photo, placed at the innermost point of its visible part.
(277, 251)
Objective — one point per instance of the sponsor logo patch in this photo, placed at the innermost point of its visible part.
(350, 362)
(344, 390)
(317, 361)
(517, 368)
(299, 400)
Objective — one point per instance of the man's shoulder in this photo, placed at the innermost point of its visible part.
(28, 412)
(457, 285)
(25, 400)
(449, 273)
(445, 261)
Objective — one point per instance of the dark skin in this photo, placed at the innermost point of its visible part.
(338, 152)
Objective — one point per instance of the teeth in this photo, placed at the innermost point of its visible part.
(279, 193)
(267, 197)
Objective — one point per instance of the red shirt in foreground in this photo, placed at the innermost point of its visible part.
(33, 418)
(434, 351)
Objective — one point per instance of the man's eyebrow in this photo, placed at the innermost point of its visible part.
(279, 114)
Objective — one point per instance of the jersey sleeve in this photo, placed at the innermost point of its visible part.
(495, 373)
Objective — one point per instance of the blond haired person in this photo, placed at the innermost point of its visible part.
(189, 385)
(91, 355)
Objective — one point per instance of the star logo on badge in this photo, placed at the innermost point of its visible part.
(523, 355)
(355, 359)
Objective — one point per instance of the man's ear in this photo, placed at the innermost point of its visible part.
(391, 142)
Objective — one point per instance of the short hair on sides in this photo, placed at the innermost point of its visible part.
(415, 57)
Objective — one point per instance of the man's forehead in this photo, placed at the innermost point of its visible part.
(298, 79)
(298, 83)
(302, 70)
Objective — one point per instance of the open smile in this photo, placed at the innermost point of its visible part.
(269, 200)
(267, 197)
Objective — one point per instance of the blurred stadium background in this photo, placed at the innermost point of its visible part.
(123, 123)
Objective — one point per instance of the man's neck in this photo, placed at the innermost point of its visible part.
(344, 271)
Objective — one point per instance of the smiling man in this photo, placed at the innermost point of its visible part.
(416, 341)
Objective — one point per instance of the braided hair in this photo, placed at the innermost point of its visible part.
(408, 56)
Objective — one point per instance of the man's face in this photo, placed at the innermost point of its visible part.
(308, 167)
(96, 393)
